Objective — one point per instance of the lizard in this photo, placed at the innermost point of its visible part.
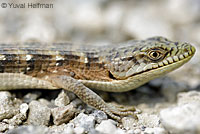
(81, 68)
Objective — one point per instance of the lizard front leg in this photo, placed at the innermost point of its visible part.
(90, 97)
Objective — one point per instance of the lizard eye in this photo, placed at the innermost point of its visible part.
(154, 55)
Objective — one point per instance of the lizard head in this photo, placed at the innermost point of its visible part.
(156, 55)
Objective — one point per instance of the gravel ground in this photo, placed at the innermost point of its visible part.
(170, 104)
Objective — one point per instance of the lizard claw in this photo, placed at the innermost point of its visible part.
(117, 111)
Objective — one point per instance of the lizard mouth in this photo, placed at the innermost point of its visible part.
(138, 79)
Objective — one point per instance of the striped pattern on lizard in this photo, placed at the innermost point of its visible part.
(80, 68)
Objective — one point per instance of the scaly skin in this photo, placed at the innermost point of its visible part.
(77, 68)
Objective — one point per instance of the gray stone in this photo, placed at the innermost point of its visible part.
(107, 127)
(31, 96)
(189, 97)
(129, 122)
(148, 120)
(61, 129)
(155, 130)
(8, 106)
(3, 126)
(137, 131)
(79, 130)
(130, 131)
(16, 120)
(29, 130)
(62, 99)
(69, 130)
(120, 131)
(183, 119)
(84, 121)
(19, 116)
(24, 108)
(63, 114)
(39, 114)
(46, 102)
(99, 115)
(144, 119)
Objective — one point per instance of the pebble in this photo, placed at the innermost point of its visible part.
(39, 114)
(24, 108)
(148, 120)
(8, 108)
(31, 96)
(99, 115)
(30, 129)
(182, 119)
(79, 130)
(144, 120)
(155, 130)
(129, 123)
(106, 127)
(61, 129)
(137, 131)
(4, 127)
(63, 114)
(189, 97)
(62, 99)
(85, 121)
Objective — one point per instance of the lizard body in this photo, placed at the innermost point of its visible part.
(78, 68)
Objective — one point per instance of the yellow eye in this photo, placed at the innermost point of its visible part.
(154, 55)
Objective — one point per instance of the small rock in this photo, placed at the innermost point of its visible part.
(129, 122)
(144, 119)
(189, 97)
(23, 108)
(76, 102)
(148, 120)
(79, 130)
(61, 129)
(31, 96)
(130, 132)
(69, 129)
(29, 130)
(183, 119)
(156, 130)
(120, 131)
(137, 131)
(84, 121)
(62, 99)
(99, 115)
(16, 120)
(3, 126)
(107, 127)
(8, 108)
(46, 102)
(63, 114)
(19, 116)
(39, 114)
